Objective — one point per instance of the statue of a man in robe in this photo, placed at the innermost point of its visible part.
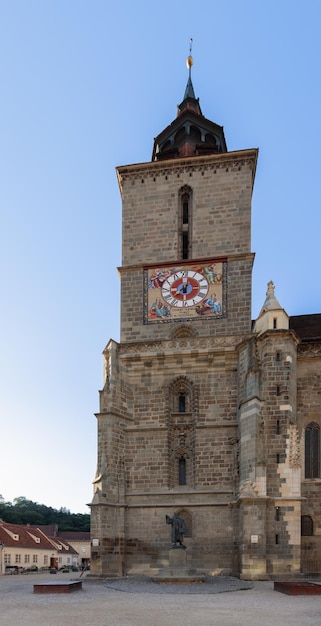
(177, 531)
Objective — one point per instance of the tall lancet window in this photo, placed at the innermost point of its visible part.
(312, 451)
(182, 471)
(185, 214)
(182, 402)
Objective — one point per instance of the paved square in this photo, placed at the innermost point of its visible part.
(138, 602)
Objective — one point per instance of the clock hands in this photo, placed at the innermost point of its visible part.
(184, 288)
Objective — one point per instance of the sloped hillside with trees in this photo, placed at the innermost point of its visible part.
(24, 511)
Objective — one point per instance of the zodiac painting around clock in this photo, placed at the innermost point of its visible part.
(182, 292)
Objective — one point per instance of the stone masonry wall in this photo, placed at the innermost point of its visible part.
(219, 227)
(148, 445)
(148, 538)
(279, 377)
(221, 207)
(309, 410)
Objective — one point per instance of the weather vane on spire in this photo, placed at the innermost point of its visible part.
(189, 60)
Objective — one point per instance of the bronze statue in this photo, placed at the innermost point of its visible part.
(178, 530)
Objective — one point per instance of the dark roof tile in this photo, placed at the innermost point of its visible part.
(307, 327)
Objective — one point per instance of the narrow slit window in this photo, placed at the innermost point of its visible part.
(185, 212)
(182, 403)
(312, 451)
(182, 471)
(185, 245)
(184, 226)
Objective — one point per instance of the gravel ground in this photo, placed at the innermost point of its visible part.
(139, 602)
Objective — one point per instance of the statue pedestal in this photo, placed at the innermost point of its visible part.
(177, 557)
(177, 570)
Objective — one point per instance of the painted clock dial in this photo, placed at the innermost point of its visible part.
(184, 288)
(183, 292)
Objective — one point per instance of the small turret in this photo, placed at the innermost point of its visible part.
(271, 316)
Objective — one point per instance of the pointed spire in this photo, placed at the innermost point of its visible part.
(189, 101)
(271, 302)
(189, 91)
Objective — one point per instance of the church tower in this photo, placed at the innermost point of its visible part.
(181, 421)
(168, 420)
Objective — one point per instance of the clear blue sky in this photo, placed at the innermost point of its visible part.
(85, 86)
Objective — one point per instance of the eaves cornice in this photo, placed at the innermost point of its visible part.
(154, 169)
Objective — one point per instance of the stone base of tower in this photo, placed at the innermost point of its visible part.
(266, 553)
(252, 543)
(103, 567)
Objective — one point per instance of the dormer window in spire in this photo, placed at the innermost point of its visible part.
(184, 226)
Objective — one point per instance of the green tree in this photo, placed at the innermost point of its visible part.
(24, 511)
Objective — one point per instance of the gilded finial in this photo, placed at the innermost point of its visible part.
(189, 60)
(189, 91)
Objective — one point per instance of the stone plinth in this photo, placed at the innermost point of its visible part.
(177, 571)
(57, 587)
(297, 588)
(177, 558)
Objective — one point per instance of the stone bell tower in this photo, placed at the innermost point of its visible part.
(168, 424)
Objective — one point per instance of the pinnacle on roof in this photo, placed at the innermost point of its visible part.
(189, 95)
(272, 316)
(271, 303)
(189, 91)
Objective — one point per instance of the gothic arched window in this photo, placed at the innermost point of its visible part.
(181, 399)
(188, 521)
(312, 451)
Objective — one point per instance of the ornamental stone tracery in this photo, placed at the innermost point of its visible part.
(181, 428)
(295, 457)
(311, 349)
(179, 343)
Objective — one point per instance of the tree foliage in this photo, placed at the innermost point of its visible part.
(23, 511)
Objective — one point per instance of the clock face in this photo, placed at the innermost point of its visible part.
(185, 292)
(184, 288)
